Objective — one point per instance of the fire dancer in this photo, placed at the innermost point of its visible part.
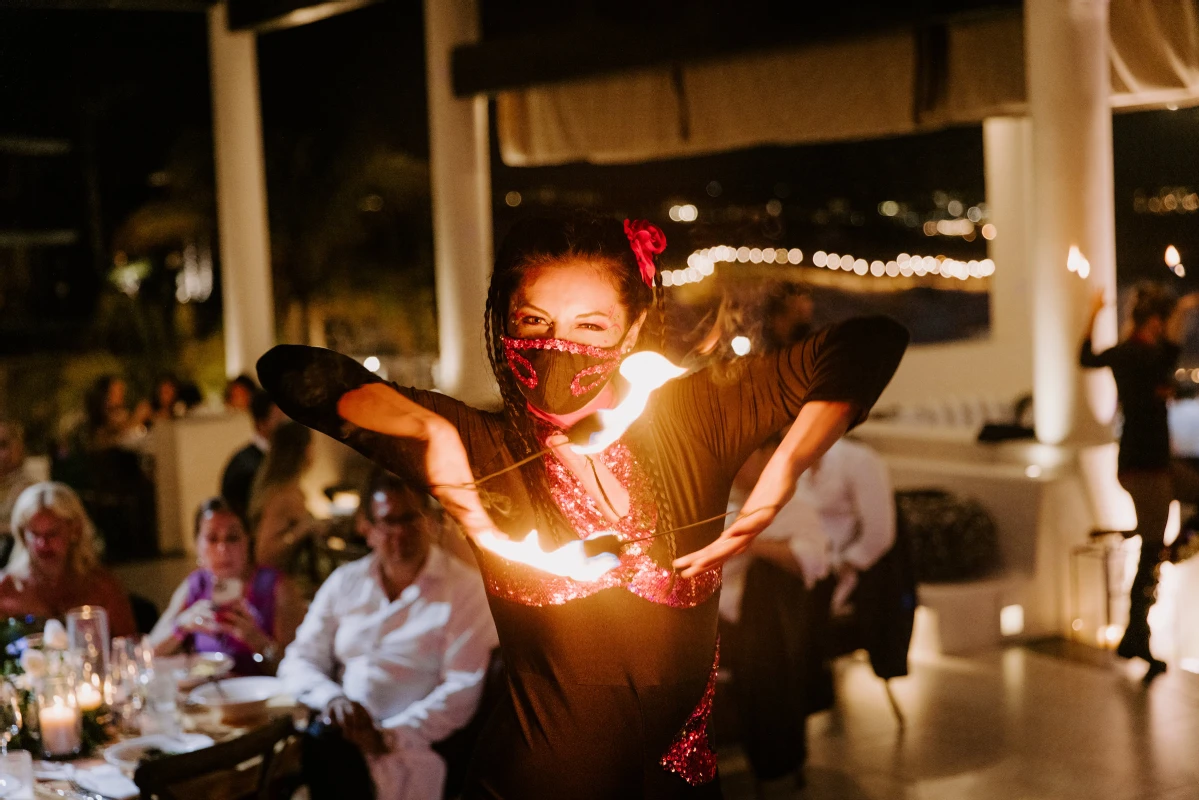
(610, 679)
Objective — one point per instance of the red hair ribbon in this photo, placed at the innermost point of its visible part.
(647, 241)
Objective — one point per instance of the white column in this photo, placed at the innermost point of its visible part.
(249, 305)
(460, 172)
(1007, 164)
(1066, 49)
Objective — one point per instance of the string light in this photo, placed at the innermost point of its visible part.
(702, 263)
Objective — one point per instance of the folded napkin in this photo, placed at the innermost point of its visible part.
(108, 781)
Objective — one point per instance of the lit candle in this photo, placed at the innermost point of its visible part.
(60, 729)
(89, 697)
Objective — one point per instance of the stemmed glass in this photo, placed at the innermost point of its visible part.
(128, 673)
(10, 716)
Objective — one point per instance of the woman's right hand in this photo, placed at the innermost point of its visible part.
(199, 617)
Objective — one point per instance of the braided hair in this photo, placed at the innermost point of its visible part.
(538, 242)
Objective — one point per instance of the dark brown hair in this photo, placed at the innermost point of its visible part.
(542, 241)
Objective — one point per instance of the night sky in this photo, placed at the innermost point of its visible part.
(128, 85)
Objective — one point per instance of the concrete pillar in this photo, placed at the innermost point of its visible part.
(1007, 164)
(1072, 205)
(460, 172)
(246, 293)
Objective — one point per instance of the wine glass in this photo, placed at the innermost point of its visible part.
(87, 632)
(10, 716)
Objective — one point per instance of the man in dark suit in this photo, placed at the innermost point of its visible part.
(239, 472)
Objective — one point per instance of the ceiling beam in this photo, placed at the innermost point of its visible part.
(591, 48)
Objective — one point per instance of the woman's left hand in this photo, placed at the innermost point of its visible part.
(235, 621)
(817, 426)
(735, 540)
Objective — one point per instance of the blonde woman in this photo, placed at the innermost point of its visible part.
(55, 564)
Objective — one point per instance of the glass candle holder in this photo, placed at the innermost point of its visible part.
(59, 719)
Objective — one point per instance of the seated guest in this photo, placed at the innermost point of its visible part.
(774, 604)
(391, 655)
(228, 605)
(55, 566)
(13, 480)
(241, 469)
(852, 491)
(279, 516)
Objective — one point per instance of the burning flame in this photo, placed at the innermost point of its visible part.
(1173, 259)
(646, 372)
(1077, 262)
(568, 561)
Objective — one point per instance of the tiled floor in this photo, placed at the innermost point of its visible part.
(1012, 725)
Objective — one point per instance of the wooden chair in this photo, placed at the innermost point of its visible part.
(249, 767)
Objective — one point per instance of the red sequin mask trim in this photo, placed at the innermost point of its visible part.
(557, 376)
(690, 754)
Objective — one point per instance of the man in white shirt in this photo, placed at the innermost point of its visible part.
(852, 491)
(391, 655)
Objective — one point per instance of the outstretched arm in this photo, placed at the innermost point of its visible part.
(380, 408)
(818, 425)
(407, 431)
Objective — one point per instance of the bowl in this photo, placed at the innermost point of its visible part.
(239, 701)
(189, 671)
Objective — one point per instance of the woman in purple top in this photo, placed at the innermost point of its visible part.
(229, 605)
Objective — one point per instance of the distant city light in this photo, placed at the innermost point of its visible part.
(740, 345)
(714, 189)
(372, 363)
(1173, 259)
(774, 208)
(954, 207)
(988, 231)
(888, 208)
(512, 199)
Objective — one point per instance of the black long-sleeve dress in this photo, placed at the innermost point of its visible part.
(610, 682)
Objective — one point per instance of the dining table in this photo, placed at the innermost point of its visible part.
(55, 780)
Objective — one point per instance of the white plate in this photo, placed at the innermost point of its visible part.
(10, 785)
(128, 753)
(234, 691)
(191, 671)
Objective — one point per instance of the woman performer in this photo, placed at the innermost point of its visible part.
(610, 681)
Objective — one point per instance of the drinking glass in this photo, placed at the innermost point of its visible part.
(87, 636)
(10, 716)
(128, 676)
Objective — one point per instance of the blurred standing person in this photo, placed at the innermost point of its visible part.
(109, 421)
(238, 477)
(1143, 365)
(278, 513)
(56, 566)
(165, 402)
(239, 392)
(13, 481)
(787, 315)
(228, 605)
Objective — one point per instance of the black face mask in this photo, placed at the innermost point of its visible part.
(557, 376)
